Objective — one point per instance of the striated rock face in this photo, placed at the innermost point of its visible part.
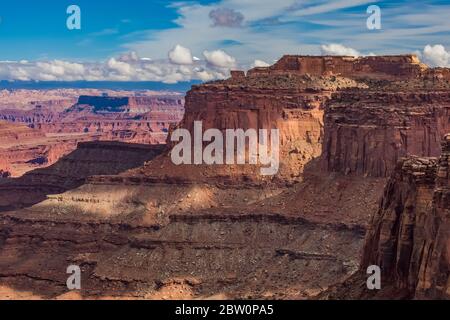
(5, 169)
(23, 149)
(403, 110)
(125, 118)
(133, 119)
(409, 236)
(434, 272)
(396, 241)
(11, 134)
(376, 67)
(290, 103)
(368, 131)
(195, 256)
(72, 170)
(359, 115)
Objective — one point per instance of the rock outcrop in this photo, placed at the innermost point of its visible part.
(410, 235)
(371, 67)
(403, 110)
(72, 170)
(368, 131)
(11, 134)
(291, 103)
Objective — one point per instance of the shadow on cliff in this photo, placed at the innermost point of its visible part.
(72, 171)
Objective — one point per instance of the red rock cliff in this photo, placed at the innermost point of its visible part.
(368, 131)
(374, 67)
(291, 103)
(361, 115)
(410, 235)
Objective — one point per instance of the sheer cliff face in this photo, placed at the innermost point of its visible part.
(291, 103)
(403, 110)
(367, 132)
(434, 276)
(361, 115)
(409, 236)
(296, 114)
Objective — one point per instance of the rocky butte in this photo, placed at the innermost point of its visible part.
(156, 230)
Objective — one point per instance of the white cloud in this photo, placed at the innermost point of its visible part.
(129, 57)
(219, 58)
(196, 31)
(273, 28)
(122, 68)
(205, 76)
(259, 63)
(335, 49)
(258, 29)
(436, 56)
(114, 69)
(180, 55)
(305, 8)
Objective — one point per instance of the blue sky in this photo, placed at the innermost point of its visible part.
(212, 36)
(40, 30)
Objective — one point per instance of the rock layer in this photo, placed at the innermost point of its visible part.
(409, 237)
(72, 170)
(373, 67)
(368, 131)
(293, 104)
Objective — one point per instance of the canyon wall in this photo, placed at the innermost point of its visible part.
(293, 104)
(134, 104)
(374, 67)
(403, 110)
(409, 237)
(11, 134)
(72, 170)
(368, 131)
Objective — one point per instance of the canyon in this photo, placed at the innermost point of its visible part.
(409, 237)
(353, 131)
(36, 133)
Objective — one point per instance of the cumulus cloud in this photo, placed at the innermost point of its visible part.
(219, 58)
(129, 57)
(224, 17)
(120, 67)
(180, 55)
(335, 49)
(259, 63)
(127, 67)
(436, 56)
